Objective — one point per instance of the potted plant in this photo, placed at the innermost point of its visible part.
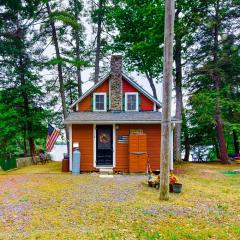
(172, 180)
(177, 187)
(153, 180)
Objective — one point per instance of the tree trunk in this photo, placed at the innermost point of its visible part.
(98, 47)
(216, 147)
(166, 102)
(179, 102)
(221, 139)
(26, 103)
(77, 39)
(150, 80)
(217, 82)
(59, 66)
(24, 142)
(235, 141)
(32, 148)
(60, 71)
(70, 92)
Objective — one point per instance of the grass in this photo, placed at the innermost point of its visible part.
(38, 202)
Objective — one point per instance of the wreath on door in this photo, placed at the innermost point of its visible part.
(104, 138)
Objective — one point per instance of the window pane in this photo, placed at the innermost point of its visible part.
(131, 102)
(99, 102)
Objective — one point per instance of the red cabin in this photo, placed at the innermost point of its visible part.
(116, 124)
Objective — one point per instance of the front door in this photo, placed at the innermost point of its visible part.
(104, 145)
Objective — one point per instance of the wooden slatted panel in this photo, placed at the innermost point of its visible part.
(142, 143)
(133, 143)
(138, 153)
(83, 134)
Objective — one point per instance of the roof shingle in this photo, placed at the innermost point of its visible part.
(114, 117)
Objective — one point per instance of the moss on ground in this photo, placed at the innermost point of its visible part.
(38, 202)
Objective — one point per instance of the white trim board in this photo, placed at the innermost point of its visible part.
(70, 147)
(117, 122)
(114, 145)
(94, 145)
(171, 145)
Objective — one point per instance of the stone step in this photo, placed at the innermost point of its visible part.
(106, 171)
(106, 176)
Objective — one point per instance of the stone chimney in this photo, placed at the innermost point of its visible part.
(116, 83)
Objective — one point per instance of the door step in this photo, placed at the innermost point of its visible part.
(106, 172)
(105, 176)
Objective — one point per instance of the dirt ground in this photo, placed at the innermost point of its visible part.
(40, 202)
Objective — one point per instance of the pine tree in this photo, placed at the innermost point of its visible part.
(209, 80)
(20, 94)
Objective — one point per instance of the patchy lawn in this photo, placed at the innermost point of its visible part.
(39, 202)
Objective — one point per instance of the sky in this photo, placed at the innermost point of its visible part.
(139, 78)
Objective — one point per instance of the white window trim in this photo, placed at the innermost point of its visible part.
(126, 96)
(105, 102)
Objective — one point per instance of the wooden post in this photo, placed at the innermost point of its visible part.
(166, 100)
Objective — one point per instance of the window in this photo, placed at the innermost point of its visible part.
(131, 101)
(100, 102)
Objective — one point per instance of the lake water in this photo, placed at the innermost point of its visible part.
(57, 152)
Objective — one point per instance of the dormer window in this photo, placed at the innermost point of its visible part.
(100, 102)
(131, 101)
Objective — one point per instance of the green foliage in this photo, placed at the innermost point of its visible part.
(23, 116)
(139, 26)
(209, 61)
(66, 18)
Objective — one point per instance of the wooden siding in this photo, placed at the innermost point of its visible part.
(146, 104)
(153, 132)
(85, 104)
(127, 87)
(83, 135)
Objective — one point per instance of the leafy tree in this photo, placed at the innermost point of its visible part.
(139, 36)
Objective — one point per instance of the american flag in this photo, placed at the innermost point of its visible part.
(122, 139)
(52, 136)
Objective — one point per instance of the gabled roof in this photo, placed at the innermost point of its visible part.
(128, 79)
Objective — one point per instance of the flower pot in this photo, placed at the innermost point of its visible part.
(170, 187)
(156, 172)
(177, 187)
